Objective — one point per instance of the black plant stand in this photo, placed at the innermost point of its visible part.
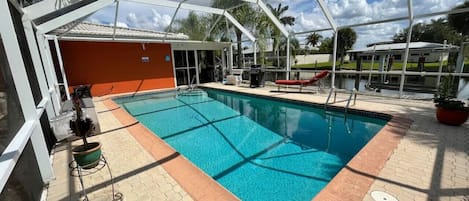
(81, 171)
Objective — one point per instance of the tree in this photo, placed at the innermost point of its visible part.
(285, 20)
(326, 45)
(313, 39)
(460, 21)
(244, 14)
(194, 26)
(294, 45)
(345, 40)
(436, 31)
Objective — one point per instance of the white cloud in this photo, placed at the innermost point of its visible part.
(347, 12)
(308, 15)
(121, 24)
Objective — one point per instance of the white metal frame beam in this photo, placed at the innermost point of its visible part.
(327, 13)
(205, 9)
(31, 129)
(72, 16)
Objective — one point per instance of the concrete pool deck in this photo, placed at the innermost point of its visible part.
(431, 162)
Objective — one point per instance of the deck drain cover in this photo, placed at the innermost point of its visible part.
(382, 196)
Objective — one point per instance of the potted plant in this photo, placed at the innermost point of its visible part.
(450, 110)
(88, 154)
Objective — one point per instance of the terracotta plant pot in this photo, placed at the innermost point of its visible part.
(451, 117)
(89, 156)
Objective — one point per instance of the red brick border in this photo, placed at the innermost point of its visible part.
(355, 179)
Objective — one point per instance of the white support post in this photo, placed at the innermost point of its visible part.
(224, 65)
(18, 71)
(230, 62)
(196, 67)
(116, 14)
(440, 68)
(406, 54)
(174, 66)
(288, 58)
(42, 154)
(255, 52)
(372, 63)
(61, 64)
(36, 58)
(43, 45)
(334, 59)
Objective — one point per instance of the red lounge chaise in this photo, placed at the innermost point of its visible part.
(302, 83)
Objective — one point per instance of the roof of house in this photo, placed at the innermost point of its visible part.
(87, 29)
(402, 46)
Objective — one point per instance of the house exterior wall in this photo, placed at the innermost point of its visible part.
(118, 67)
(312, 58)
(413, 57)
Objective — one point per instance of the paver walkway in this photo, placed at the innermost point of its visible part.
(136, 174)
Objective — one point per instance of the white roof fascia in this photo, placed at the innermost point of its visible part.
(72, 16)
(239, 26)
(328, 15)
(272, 17)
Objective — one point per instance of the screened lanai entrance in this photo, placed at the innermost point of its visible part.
(197, 63)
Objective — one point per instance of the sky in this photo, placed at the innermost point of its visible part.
(307, 13)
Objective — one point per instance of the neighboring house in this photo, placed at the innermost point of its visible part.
(423, 51)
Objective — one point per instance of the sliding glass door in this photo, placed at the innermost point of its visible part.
(185, 64)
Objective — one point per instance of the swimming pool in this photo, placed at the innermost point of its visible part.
(257, 148)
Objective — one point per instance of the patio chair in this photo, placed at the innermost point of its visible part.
(303, 83)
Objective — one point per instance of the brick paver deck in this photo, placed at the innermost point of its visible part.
(431, 162)
(137, 175)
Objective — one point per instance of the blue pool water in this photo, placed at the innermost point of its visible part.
(259, 149)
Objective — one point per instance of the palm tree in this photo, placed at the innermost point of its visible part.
(313, 39)
(345, 40)
(294, 45)
(460, 21)
(244, 14)
(285, 20)
(194, 26)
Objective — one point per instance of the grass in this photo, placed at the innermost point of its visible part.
(430, 67)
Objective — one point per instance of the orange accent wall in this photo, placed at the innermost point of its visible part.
(117, 67)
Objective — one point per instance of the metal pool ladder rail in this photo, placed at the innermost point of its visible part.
(328, 98)
(353, 93)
